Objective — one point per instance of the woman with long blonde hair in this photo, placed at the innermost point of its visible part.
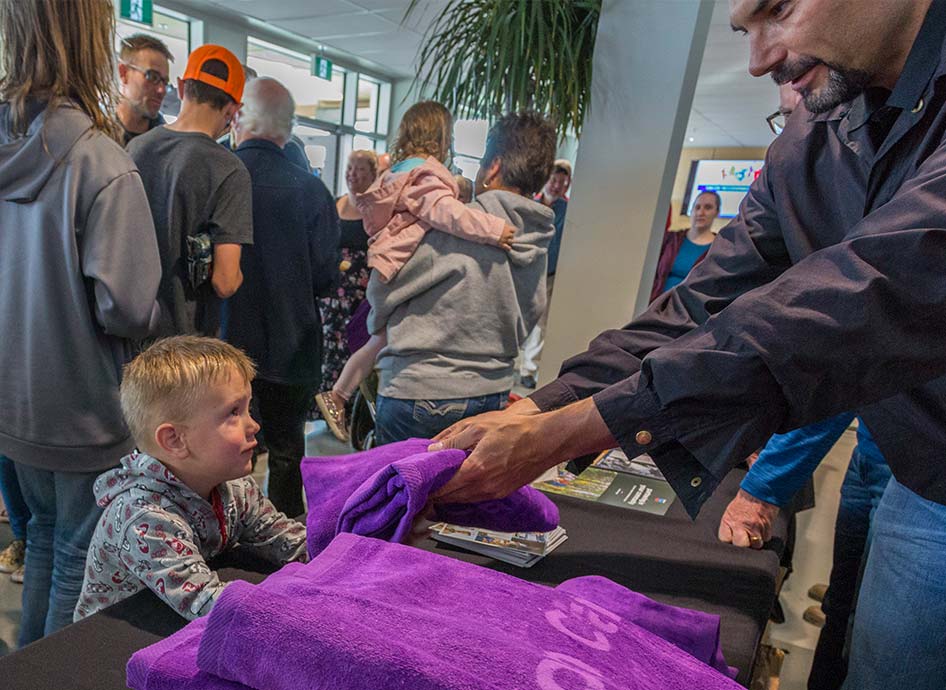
(80, 271)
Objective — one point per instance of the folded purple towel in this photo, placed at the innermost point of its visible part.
(379, 492)
(694, 632)
(369, 614)
(171, 664)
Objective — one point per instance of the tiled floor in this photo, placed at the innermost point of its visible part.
(812, 560)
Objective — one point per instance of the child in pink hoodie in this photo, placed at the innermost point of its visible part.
(415, 195)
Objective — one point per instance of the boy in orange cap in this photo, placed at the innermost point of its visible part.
(199, 194)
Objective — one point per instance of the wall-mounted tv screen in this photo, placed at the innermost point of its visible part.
(729, 178)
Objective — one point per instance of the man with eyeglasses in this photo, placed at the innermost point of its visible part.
(788, 99)
(143, 71)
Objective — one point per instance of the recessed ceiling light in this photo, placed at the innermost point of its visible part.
(692, 139)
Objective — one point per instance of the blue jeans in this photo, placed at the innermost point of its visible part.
(64, 515)
(17, 509)
(867, 477)
(399, 420)
(900, 627)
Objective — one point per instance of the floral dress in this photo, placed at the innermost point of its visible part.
(337, 310)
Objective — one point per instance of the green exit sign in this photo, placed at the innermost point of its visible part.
(321, 67)
(138, 11)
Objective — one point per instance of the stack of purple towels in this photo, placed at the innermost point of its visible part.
(371, 615)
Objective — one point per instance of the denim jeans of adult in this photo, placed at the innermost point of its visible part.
(899, 633)
(399, 420)
(282, 409)
(864, 483)
(63, 519)
(17, 510)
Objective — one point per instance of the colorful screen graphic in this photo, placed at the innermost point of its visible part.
(728, 178)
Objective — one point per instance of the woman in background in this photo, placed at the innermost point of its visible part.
(80, 266)
(361, 171)
(681, 251)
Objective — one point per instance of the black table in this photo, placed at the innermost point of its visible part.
(669, 558)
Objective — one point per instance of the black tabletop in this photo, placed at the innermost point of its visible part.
(669, 558)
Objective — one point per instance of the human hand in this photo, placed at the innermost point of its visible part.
(482, 424)
(512, 448)
(509, 451)
(747, 521)
(505, 240)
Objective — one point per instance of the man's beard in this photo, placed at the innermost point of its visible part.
(844, 84)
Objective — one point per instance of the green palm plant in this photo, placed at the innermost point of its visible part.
(487, 57)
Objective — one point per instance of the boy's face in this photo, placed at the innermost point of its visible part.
(221, 435)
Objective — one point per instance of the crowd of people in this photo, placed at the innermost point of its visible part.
(158, 284)
(145, 240)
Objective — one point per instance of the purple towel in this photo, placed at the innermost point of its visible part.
(694, 632)
(379, 492)
(171, 664)
(369, 614)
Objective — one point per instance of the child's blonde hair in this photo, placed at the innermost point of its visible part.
(166, 381)
(425, 130)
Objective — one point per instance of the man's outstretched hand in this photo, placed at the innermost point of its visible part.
(513, 447)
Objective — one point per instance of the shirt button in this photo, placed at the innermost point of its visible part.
(643, 438)
(695, 482)
(918, 107)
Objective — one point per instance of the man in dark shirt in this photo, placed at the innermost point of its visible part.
(143, 81)
(553, 195)
(199, 193)
(274, 317)
(825, 294)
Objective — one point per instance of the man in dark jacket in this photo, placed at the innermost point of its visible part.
(274, 316)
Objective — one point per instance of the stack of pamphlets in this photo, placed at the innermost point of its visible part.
(616, 480)
(523, 549)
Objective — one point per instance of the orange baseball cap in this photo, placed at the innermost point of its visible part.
(232, 85)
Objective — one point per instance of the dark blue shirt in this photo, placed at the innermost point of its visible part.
(559, 206)
(274, 316)
(826, 293)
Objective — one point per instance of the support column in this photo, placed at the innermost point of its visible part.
(646, 62)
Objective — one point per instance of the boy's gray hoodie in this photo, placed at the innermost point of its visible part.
(458, 312)
(80, 269)
(156, 533)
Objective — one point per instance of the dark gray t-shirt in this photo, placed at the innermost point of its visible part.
(194, 185)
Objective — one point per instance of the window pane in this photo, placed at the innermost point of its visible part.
(315, 98)
(469, 138)
(366, 114)
(321, 149)
(173, 31)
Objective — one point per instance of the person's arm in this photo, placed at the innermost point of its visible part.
(269, 533)
(227, 276)
(849, 325)
(324, 236)
(159, 548)
(230, 226)
(788, 460)
(119, 255)
(783, 466)
(430, 200)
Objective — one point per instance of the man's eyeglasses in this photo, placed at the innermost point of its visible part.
(776, 122)
(152, 76)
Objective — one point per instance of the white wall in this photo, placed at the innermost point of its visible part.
(625, 168)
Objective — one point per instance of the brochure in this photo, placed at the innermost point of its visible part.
(523, 549)
(624, 489)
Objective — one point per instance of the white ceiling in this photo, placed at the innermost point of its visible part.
(729, 107)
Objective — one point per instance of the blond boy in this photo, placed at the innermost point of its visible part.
(185, 496)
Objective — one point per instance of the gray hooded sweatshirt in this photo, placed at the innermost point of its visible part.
(156, 533)
(79, 272)
(458, 312)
